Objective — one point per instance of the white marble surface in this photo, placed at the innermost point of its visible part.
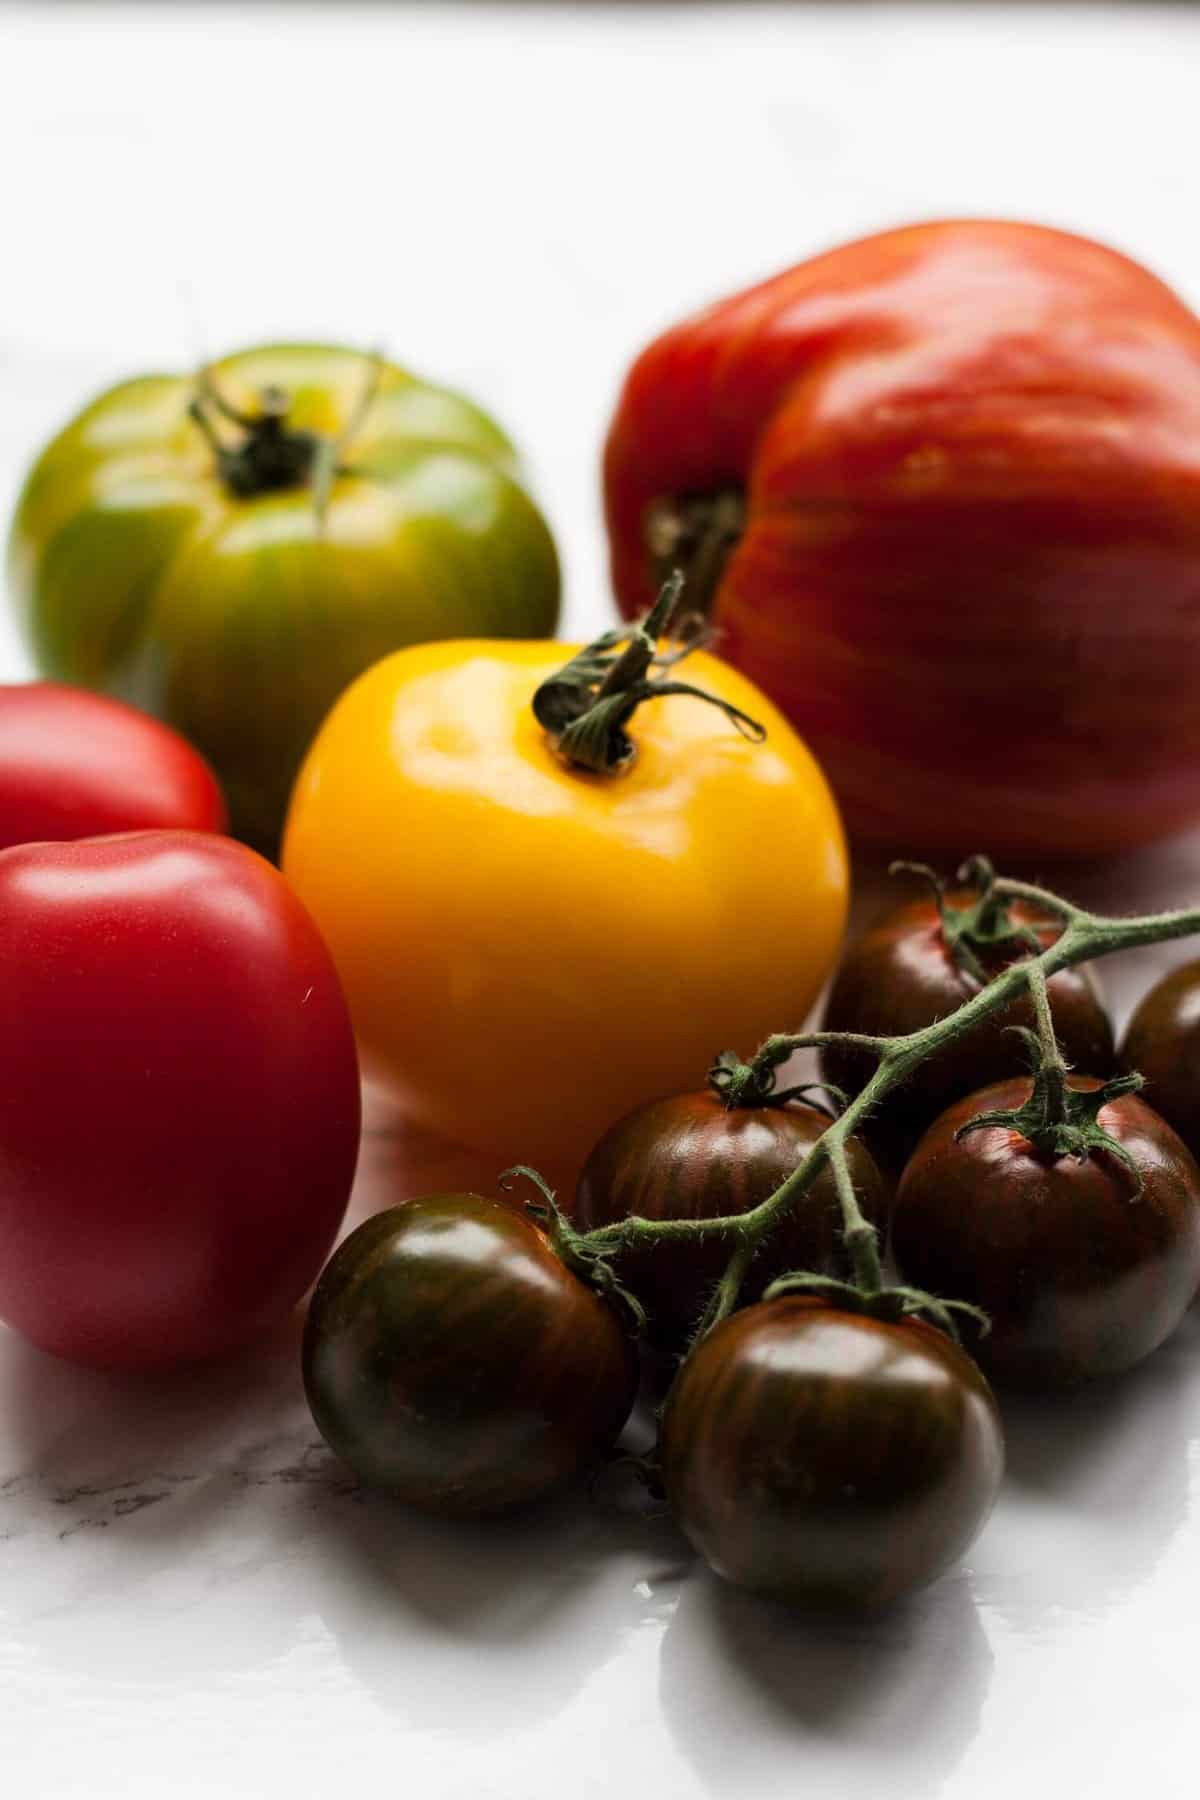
(193, 1599)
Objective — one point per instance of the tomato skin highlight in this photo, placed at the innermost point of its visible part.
(1079, 1277)
(899, 977)
(529, 950)
(74, 764)
(179, 1098)
(830, 1459)
(452, 1359)
(692, 1157)
(1162, 1042)
(969, 452)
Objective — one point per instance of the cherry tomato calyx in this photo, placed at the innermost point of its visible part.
(595, 1268)
(980, 930)
(755, 1084)
(1060, 1119)
(889, 1303)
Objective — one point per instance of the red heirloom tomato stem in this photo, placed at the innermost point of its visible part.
(1059, 1119)
(698, 535)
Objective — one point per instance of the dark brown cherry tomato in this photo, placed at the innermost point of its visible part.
(451, 1358)
(903, 974)
(692, 1157)
(1162, 1042)
(829, 1458)
(1079, 1274)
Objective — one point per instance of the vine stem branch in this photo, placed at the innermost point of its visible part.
(1085, 937)
(1051, 1066)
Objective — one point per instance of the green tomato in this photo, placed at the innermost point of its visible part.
(228, 552)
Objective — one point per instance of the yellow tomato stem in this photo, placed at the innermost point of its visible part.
(585, 706)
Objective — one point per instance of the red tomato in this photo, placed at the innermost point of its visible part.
(179, 1098)
(955, 471)
(73, 764)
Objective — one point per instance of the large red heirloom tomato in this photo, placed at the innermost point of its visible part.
(943, 486)
(179, 1100)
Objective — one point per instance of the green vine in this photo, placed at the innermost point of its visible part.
(1084, 937)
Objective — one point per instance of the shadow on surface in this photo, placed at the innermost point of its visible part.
(136, 1512)
(746, 1686)
(1098, 1486)
(523, 1609)
(68, 1430)
(1102, 1445)
(167, 1531)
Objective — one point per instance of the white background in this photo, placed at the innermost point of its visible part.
(193, 1601)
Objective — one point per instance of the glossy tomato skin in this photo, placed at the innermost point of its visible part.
(238, 618)
(691, 1157)
(1078, 1275)
(962, 446)
(901, 976)
(829, 1459)
(452, 1359)
(179, 1098)
(1162, 1042)
(473, 890)
(74, 764)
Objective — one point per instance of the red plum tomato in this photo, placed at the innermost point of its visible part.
(179, 1097)
(693, 1157)
(1079, 1275)
(453, 1360)
(74, 764)
(827, 1458)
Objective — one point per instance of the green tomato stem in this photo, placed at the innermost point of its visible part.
(270, 456)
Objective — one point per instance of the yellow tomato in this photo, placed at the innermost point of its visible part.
(529, 949)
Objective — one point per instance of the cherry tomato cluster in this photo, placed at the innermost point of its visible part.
(832, 1451)
(831, 1457)
(1082, 1249)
